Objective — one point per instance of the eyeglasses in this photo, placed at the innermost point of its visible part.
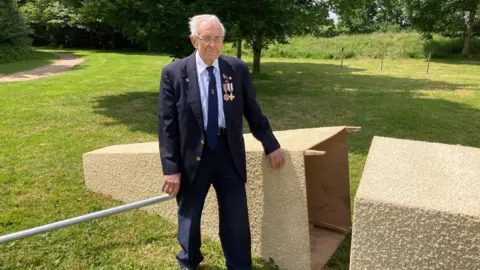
(208, 39)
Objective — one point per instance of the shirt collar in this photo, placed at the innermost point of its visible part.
(201, 66)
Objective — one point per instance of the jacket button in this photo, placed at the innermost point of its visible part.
(198, 158)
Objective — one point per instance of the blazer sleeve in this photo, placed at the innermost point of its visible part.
(257, 122)
(168, 135)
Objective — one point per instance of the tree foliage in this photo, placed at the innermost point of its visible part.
(367, 16)
(64, 23)
(448, 17)
(264, 22)
(162, 26)
(13, 27)
(14, 31)
(275, 21)
(158, 26)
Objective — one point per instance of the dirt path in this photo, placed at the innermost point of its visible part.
(66, 62)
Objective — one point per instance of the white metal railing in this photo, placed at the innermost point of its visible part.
(87, 217)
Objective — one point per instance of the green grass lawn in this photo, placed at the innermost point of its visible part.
(46, 126)
(40, 59)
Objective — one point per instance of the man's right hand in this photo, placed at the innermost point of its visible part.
(171, 183)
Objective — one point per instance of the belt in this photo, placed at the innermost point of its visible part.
(221, 131)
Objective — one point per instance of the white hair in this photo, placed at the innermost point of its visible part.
(196, 20)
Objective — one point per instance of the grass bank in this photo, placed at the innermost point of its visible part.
(396, 46)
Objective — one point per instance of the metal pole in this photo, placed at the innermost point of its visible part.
(87, 217)
(428, 67)
(341, 65)
(383, 56)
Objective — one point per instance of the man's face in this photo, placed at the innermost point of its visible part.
(209, 41)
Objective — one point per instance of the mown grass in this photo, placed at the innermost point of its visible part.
(39, 58)
(46, 126)
(404, 45)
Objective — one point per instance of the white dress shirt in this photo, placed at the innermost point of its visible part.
(203, 80)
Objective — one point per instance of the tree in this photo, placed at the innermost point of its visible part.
(265, 22)
(367, 16)
(275, 21)
(162, 26)
(13, 27)
(261, 23)
(14, 41)
(147, 22)
(448, 17)
(357, 16)
(50, 19)
(69, 23)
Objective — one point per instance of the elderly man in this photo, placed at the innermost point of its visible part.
(202, 101)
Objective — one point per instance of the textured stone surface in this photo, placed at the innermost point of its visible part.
(417, 207)
(277, 199)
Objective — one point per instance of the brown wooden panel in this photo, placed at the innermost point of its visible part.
(328, 186)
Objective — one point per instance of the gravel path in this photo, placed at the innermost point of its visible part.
(66, 62)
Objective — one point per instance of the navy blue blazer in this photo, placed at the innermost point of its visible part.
(181, 131)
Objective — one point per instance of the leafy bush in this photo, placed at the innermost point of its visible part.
(14, 41)
(443, 47)
(10, 53)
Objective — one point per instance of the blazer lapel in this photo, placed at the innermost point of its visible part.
(193, 91)
(226, 73)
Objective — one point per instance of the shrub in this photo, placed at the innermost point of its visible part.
(14, 41)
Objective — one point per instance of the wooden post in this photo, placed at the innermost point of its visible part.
(341, 65)
(383, 56)
(428, 67)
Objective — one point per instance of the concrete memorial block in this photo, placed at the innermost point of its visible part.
(417, 207)
(299, 214)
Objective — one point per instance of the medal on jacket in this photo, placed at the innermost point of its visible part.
(225, 89)
(230, 88)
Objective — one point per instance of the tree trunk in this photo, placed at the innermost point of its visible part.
(256, 60)
(239, 48)
(469, 33)
(257, 52)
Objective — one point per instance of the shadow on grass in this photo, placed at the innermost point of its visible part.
(137, 110)
(301, 95)
(132, 52)
(76, 51)
(458, 60)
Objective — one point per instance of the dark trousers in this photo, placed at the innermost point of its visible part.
(216, 168)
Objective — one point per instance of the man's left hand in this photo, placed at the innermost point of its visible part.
(277, 159)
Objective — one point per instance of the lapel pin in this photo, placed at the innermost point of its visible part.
(187, 80)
